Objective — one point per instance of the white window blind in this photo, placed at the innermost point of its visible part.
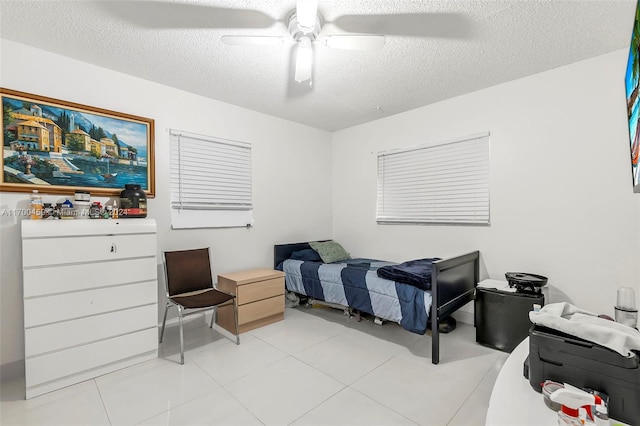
(210, 181)
(446, 183)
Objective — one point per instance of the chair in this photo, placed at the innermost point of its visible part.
(190, 288)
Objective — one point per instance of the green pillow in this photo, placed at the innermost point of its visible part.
(330, 251)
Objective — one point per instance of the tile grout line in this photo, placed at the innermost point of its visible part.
(104, 406)
(374, 400)
(471, 393)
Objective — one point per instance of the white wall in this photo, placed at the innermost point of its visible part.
(284, 211)
(561, 201)
(561, 196)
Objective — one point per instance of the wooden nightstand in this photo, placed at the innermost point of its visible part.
(260, 298)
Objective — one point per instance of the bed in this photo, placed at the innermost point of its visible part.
(452, 285)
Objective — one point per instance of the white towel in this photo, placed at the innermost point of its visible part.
(586, 325)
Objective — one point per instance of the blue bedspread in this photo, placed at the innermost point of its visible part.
(414, 272)
(356, 284)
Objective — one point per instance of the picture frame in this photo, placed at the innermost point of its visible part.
(632, 89)
(61, 147)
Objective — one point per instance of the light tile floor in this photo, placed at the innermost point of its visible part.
(317, 367)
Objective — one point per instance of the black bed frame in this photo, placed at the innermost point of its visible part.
(453, 284)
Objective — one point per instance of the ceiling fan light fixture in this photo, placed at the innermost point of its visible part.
(306, 11)
(304, 60)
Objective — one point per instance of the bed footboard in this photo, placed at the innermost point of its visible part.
(453, 283)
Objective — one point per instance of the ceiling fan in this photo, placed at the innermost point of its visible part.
(305, 25)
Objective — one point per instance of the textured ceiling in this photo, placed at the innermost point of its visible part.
(434, 50)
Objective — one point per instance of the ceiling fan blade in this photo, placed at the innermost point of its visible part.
(165, 14)
(443, 25)
(241, 40)
(354, 42)
(304, 60)
(306, 11)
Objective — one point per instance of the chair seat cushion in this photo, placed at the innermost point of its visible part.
(206, 299)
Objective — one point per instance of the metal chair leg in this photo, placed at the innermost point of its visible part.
(181, 336)
(164, 321)
(235, 319)
(180, 320)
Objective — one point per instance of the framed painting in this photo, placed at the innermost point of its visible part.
(60, 147)
(632, 79)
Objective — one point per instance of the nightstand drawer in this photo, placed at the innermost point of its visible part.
(261, 309)
(260, 290)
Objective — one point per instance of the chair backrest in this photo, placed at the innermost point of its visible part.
(187, 270)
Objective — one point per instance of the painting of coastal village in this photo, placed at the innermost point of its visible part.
(59, 147)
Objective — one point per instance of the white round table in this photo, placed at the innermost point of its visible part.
(513, 400)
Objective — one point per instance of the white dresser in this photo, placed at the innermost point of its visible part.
(90, 299)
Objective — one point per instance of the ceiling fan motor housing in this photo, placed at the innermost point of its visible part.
(297, 31)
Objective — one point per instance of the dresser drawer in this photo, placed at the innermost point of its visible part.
(67, 334)
(70, 250)
(259, 290)
(75, 228)
(261, 309)
(42, 281)
(41, 369)
(66, 306)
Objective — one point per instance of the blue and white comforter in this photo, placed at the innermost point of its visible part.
(355, 283)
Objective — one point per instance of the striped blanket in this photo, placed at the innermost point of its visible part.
(355, 283)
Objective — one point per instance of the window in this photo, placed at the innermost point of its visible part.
(210, 182)
(446, 183)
